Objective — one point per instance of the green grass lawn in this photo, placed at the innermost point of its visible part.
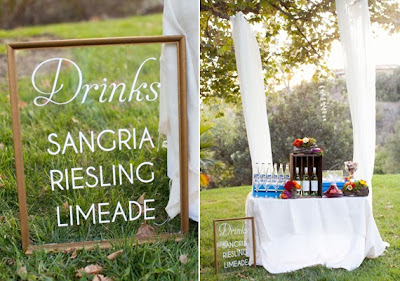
(158, 261)
(132, 26)
(230, 202)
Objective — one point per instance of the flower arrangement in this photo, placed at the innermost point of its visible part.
(318, 151)
(349, 186)
(289, 185)
(305, 142)
(307, 145)
(350, 167)
(285, 194)
(357, 188)
(354, 186)
(290, 190)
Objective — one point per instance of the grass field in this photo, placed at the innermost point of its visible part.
(159, 261)
(229, 202)
(133, 26)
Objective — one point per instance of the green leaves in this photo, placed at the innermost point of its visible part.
(292, 34)
(292, 114)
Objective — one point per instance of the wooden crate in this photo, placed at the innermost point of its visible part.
(310, 160)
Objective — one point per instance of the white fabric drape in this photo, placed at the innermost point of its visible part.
(181, 17)
(293, 234)
(356, 37)
(251, 80)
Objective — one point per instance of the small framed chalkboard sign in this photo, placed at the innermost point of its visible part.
(91, 165)
(233, 238)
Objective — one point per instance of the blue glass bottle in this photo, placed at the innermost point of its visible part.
(256, 181)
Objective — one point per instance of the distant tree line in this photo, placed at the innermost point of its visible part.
(314, 109)
(388, 86)
(291, 114)
(14, 13)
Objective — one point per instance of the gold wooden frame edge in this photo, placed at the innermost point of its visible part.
(215, 239)
(180, 42)
(102, 244)
(96, 42)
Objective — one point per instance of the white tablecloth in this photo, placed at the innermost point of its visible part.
(293, 234)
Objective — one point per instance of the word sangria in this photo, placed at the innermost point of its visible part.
(70, 143)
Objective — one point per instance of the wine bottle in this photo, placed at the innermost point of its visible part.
(314, 182)
(298, 179)
(306, 183)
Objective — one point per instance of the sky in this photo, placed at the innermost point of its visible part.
(386, 50)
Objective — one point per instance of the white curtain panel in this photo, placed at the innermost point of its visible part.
(302, 233)
(356, 37)
(251, 80)
(181, 17)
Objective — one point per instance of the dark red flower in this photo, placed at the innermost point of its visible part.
(289, 185)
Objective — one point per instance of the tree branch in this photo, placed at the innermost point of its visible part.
(219, 10)
(295, 19)
(308, 42)
(212, 10)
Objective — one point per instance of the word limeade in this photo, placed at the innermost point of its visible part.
(133, 139)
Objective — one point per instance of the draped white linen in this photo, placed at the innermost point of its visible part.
(356, 36)
(293, 234)
(181, 17)
(251, 80)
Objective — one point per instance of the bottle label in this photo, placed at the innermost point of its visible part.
(306, 186)
(314, 185)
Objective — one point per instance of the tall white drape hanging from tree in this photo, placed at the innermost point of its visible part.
(252, 90)
(355, 36)
(179, 18)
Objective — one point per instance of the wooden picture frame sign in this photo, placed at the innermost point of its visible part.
(235, 250)
(179, 42)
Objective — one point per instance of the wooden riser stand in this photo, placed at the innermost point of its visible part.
(306, 160)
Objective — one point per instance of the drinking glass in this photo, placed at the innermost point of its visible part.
(275, 180)
(287, 173)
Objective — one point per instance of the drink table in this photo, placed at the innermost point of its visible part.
(296, 233)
